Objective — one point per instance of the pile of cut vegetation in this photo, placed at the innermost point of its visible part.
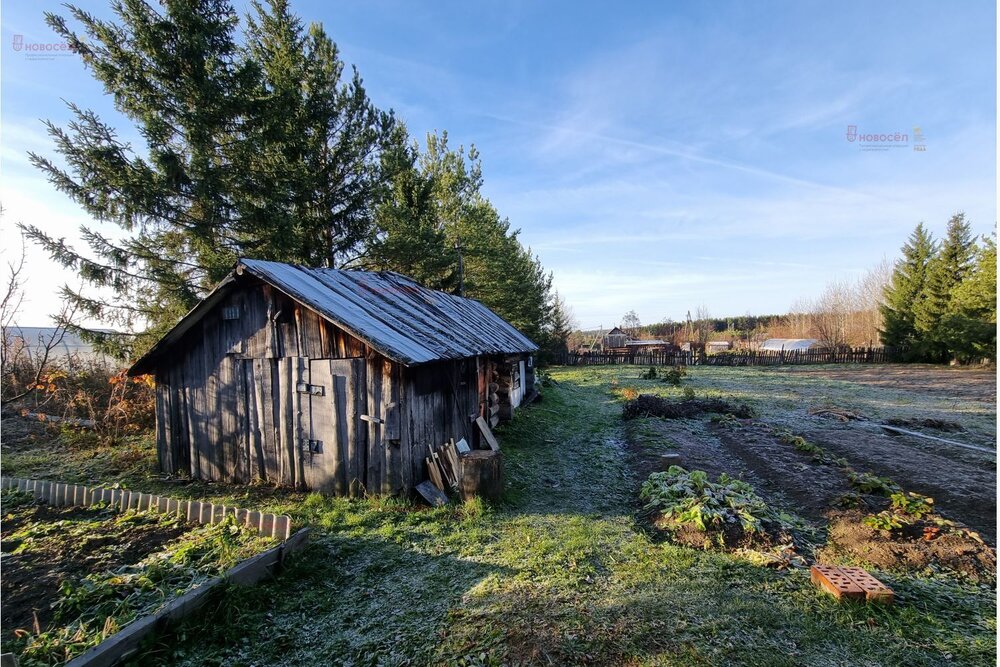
(701, 513)
(647, 405)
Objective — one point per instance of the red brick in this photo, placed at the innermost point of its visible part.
(835, 582)
(875, 590)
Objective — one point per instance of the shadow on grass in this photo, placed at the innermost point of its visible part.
(343, 600)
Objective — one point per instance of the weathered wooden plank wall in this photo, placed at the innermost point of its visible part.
(230, 406)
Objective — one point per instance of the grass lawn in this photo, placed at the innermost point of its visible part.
(562, 572)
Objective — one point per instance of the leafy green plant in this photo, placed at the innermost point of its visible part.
(884, 520)
(673, 376)
(906, 508)
(802, 445)
(912, 504)
(866, 482)
(684, 497)
(727, 420)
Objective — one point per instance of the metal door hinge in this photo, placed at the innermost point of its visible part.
(312, 389)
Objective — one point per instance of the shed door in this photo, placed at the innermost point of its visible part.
(332, 441)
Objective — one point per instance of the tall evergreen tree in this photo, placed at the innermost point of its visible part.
(255, 150)
(905, 291)
(559, 326)
(438, 227)
(969, 328)
(945, 272)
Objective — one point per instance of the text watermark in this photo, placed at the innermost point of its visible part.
(41, 50)
(885, 141)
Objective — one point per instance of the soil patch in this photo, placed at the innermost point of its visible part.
(65, 544)
(647, 405)
(925, 379)
(936, 424)
(962, 483)
(852, 541)
(787, 479)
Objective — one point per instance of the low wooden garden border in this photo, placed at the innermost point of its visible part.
(126, 642)
(68, 495)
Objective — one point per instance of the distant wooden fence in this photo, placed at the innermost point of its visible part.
(67, 495)
(856, 355)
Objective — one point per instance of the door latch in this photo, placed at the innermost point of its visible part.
(311, 389)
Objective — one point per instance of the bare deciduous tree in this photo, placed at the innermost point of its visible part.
(831, 314)
(22, 364)
(702, 326)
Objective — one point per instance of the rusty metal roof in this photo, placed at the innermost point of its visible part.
(393, 314)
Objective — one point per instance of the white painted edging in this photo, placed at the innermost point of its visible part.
(126, 641)
(64, 495)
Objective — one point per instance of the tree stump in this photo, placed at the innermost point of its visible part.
(482, 474)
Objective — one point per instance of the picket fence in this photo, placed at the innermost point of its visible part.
(59, 494)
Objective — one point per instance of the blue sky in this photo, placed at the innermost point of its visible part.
(657, 156)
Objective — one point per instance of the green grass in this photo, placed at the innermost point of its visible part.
(561, 572)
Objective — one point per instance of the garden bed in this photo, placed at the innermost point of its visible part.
(74, 576)
(827, 480)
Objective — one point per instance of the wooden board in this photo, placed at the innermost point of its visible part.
(434, 473)
(487, 434)
(432, 494)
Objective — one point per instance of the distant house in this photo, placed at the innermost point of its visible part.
(617, 340)
(789, 344)
(335, 381)
(650, 345)
(32, 341)
(714, 346)
(614, 339)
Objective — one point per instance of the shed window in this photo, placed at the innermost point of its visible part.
(231, 313)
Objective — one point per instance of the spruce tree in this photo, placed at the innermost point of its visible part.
(904, 291)
(436, 221)
(969, 328)
(945, 272)
(559, 327)
(255, 150)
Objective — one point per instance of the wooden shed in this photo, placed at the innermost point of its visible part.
(614, 339)
(330, 380)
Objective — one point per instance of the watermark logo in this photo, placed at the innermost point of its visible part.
(885, 141)
(41, 50)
